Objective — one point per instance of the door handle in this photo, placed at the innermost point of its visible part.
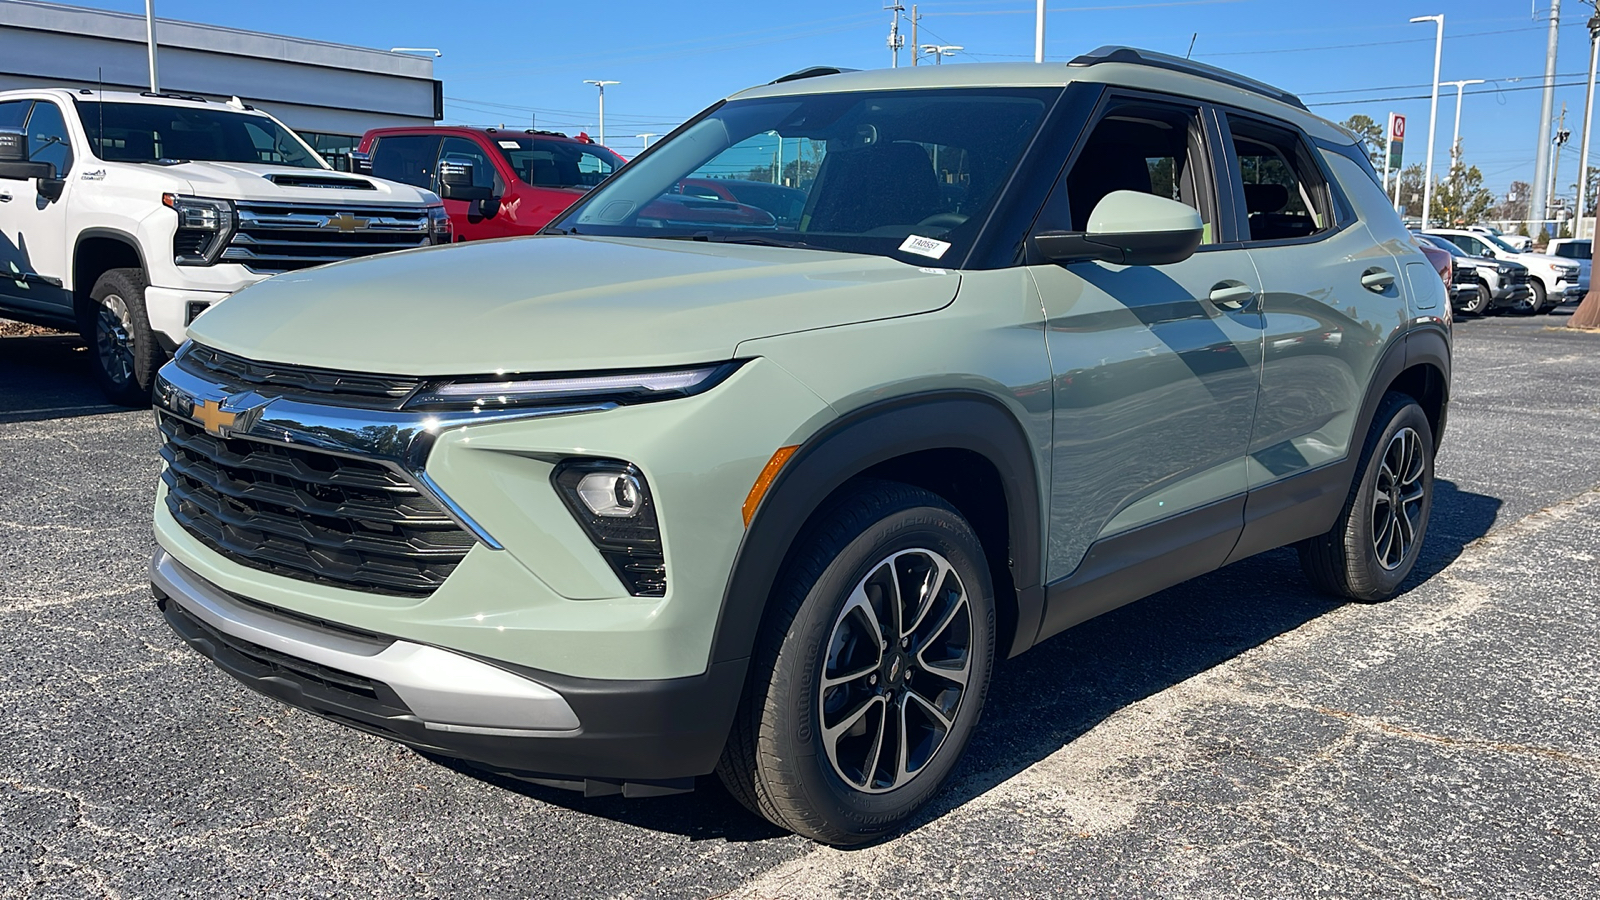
(1377, 280)
(5, 196)
(1231, 295)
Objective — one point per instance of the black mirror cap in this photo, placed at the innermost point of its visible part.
(450, 190)
(24, 171)
(1147, 248)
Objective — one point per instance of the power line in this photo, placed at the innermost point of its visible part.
(1528, 87)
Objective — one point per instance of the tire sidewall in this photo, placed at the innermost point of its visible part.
(1358, 536)
(129, 285)
(797, 675)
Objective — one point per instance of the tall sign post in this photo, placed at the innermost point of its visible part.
(1393, 154)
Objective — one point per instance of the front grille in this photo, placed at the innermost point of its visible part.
(282, 237)
(1518, 276)
(1463, 275)
(280, 379)
(308, 515)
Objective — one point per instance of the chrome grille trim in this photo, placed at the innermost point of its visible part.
(281, 237)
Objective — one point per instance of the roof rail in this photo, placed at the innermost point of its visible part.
(163, 95)
(1137, 57)
(811, 72)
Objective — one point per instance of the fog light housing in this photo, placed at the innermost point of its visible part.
(611, 501)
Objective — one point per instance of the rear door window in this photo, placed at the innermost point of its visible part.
(406, 158)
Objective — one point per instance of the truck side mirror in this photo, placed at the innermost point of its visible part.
(456, 182)
(14, 162)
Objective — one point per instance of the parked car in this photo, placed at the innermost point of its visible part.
(638, 503)
(1443, 261)
(124, 216)
(497, 183)
(1481, 285)
(1520, 242)
(1578, 251)
(1554, 280)
(784, 204)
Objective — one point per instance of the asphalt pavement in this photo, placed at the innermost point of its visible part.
(1236, 736)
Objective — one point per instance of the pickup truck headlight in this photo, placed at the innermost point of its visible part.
(204, 226)
(1504, 270)
(439, 231)
(623, 388)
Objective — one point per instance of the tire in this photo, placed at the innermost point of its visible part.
(1378, 536)
(811, 757)
(1481, 300)
(1535, 303)
(122, 347)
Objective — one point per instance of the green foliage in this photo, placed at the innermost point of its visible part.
(1461, 199)
(1371, 134)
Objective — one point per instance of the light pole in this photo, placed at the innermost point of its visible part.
(1433, 114)
(1539, 205)
(602, 86)
(150, 39)
(940, 51)
(1588, 115)
(1038, 32)
(1455, 138)
(647, 136)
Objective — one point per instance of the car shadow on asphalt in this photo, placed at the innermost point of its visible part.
(48, 377)
(1050, 696)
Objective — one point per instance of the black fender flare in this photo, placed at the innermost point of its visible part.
(943, 420)
(121, 237)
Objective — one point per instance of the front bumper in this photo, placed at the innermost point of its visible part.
(601, 736)
(172, 309)
(1512, 294)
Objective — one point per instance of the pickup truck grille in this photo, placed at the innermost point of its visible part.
(1463, 274)
(282, 237)
(308, 515)
(1518, 276)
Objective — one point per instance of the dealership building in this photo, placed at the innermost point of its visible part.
(329, 93)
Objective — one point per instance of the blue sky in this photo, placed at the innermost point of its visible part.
(507, 62)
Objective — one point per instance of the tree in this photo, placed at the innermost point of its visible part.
(1372, 137)
(1515, 207)
(1461, 198)
(1411, 191)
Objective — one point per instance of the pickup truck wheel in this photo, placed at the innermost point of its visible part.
(1378, 536)
(123, 348)
(1535, 303)
(870, 672)
(1478, 301)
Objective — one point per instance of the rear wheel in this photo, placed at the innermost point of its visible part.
(122, 346)
(871, 671)
(1378, 536)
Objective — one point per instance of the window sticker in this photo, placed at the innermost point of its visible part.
(924, 246)
(510, 145)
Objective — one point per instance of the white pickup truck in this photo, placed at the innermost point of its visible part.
(124, 216)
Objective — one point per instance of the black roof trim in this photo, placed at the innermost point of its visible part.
(811, 72)
(1137, 57)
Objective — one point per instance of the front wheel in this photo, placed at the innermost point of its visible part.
(870, 672)
(122, 345)
(1478, 301)
(1378, 536)
(1535, 303)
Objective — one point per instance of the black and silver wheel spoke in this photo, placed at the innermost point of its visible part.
(898, 665)
(113, 339)
(1397, 500)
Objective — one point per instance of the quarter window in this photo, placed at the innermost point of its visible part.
(1285, 194)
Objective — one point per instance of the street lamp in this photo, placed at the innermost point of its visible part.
(433, 50)
(647, 136)
(150, 41)
(1433, 113)
(1455, 139)
(1038, 32)
(940, 51)
(602, 86)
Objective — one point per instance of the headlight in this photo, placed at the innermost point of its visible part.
(611, 500)
(1568, 272)
(204, 226)
(1504, 270)
(626, 387)
(439, 225)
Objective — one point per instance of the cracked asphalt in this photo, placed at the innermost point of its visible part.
(1236, 736)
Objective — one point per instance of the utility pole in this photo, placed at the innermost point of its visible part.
(1433, 115)
(914, 45)
(1540, 204)
(895, 40)
(1038, 32)
(1588, 114)
(150, 39)
(1560, 140)
(602, 86)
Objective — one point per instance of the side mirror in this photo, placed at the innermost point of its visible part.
(360, 162)
(14, 162)
(1129, 228)
(455, 181)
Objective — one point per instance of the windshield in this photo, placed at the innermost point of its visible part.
(542, 162)
(1446, 246)
(150, 132)
(906, 173)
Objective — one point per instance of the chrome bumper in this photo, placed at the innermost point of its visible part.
(444, 691)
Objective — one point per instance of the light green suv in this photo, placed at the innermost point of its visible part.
(767, 488)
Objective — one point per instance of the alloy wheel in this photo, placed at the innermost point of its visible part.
(113, 339)
(1397, 499)
(898, 665)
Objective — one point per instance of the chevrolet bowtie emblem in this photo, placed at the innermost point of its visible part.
(215, 420)
(346, 223)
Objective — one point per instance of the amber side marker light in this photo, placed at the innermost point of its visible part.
(763, 481)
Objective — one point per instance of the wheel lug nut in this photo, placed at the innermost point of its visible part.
(904, 643)
(872, 679)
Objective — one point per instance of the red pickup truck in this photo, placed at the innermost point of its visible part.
(496, 182)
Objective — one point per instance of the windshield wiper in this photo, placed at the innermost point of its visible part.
(708, 237)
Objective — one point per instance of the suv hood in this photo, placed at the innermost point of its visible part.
(554, 303)
(247, 181)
